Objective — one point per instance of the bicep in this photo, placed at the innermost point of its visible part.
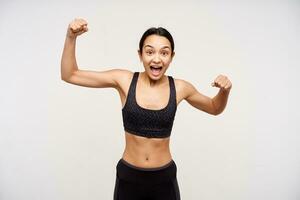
(197, 99)
(96, 79)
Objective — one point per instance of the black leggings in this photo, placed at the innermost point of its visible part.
(135, 183)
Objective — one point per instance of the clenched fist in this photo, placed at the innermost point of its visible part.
(222, 82)
(77, 27)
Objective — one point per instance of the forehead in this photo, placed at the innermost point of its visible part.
(157, 41)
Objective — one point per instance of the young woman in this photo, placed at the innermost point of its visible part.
(149, 102)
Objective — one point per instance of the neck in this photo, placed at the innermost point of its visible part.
(148, 81)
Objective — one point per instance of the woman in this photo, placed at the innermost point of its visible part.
(149, 102)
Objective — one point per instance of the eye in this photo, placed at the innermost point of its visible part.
(165, 53)
(149, 52)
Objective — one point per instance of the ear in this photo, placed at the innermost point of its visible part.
(140, 55)
(173, 54)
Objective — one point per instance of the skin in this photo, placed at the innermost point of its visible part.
(152, 92)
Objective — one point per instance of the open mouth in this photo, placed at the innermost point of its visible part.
(155, 70)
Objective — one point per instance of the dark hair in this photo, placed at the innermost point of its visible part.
(157, 31)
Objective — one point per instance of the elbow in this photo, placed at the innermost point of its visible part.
(215, 110)
(67, 80)
(64, 78)
(67, 71)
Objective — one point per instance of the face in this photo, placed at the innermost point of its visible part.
(156, 56)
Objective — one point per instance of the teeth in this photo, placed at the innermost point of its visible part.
(156, 67)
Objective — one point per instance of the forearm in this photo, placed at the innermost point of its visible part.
(220, 100)
(68, 60)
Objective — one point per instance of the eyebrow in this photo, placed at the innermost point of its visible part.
(164, 47)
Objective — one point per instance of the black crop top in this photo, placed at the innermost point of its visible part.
(146, 122)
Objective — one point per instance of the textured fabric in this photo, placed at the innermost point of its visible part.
(135, 183)
(146, 122)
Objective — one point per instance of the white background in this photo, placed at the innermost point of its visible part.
(62, 142)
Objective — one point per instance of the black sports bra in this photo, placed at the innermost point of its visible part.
(146, 122)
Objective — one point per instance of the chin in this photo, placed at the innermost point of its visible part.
(155, 77)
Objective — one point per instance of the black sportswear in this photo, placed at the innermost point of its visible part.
(135, 183)
(146, 122)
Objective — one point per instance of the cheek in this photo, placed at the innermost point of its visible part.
(167, 60)
(146, 59)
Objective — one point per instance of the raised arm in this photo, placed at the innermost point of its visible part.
(214, 105)
(69, 69)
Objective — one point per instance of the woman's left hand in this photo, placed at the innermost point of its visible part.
(222, 82)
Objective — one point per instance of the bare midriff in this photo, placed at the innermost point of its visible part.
(146, 152)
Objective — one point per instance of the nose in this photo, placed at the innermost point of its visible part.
(156, 58)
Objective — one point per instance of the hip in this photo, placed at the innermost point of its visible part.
(150, 175)
(147, 160)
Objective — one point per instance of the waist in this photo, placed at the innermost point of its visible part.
(128, 172)
(146, 152)
(149, 132)
(147, 161)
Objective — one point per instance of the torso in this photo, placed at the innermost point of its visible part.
(141, 151)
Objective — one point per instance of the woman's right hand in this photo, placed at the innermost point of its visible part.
(77, 27)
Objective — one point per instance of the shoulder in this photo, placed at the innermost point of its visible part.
(183, 87)
(122, 72)
(122, 75)
(182, 84)
(123, 78)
